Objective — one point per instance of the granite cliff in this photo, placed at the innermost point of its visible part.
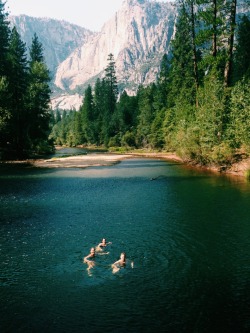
(137, 35)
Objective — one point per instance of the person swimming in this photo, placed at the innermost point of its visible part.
(102, 245)
(87, 260)
(121, 263)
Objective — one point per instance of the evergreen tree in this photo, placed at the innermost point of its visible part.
(190, 11)
(4, 40)
(182, 76)
(146, 114)
(230, 46)
(242, 54)
(99, 107)
(38, 97)
(18, 80)
(5, 113)
(57, 116)
(239, 118)
(4, 82)
(111, 95)
(87, 116)
(163, 83)
(78, 129)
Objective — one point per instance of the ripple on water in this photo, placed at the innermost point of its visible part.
(180, 231)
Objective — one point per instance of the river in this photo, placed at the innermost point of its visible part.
(186, 231)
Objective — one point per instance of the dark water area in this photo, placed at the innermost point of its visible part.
(186, 231)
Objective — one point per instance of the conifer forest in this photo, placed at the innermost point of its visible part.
(199, 106)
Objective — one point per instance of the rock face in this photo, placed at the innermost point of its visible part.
(66, 102)
(138, 36)
(59, 38)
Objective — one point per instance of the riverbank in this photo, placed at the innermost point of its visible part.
(107, 158)
(237, 169)
(80, 161)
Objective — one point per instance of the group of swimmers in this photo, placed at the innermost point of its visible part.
(99, 249)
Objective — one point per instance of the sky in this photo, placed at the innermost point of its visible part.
(90, 14)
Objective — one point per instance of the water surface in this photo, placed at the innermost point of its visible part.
(186, 231)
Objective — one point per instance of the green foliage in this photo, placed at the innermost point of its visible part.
(5, 113)
(129, 140)
(242, 54)
(239, 118)
(38, 98)
(190, 109)
(24, 95)
(4, 40)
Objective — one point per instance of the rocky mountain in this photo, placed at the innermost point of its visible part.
(137, 35)
(59, 38)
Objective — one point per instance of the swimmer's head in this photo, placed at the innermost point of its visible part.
(123, 256)
(92, 250)
(103, 241)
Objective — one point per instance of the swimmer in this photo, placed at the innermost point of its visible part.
(121, 263)
(100, 246)
(86, 260)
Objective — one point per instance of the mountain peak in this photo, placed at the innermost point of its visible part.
(137, 36)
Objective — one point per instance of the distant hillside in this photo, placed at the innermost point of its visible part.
(59, 38)
(138, 35)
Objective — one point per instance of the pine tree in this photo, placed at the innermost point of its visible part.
(4, 40)
(5, 113)
(242, 54)
(111, 94)
(99, 107)
(87, 115)
(163, 83)
(38, 98)
(18, 80)
(146, 114)
(230, 46)
(182, 78)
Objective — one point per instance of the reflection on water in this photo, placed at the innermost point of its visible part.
(187, 233)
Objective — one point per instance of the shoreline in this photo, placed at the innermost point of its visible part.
(236, 169)
(110, 158)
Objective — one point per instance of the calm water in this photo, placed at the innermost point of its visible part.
(187, 232)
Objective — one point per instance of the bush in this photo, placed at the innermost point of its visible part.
(222, 154)
(128, 139)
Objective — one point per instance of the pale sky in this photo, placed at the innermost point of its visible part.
(90, 14)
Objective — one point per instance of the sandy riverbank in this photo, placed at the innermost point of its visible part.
(80, 161)
(107, 159)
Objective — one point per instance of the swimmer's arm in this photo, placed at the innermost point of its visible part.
(115, 263)
(101, 254)
(85, 259)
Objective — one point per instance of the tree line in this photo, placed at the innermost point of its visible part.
(24, 95)
(199, 105)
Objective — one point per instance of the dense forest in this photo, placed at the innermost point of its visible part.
(199, 107)
(24, 95)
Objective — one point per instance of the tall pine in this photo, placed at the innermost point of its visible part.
(4, 95)
(111, 95)
(38, 98)
(18, 81)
